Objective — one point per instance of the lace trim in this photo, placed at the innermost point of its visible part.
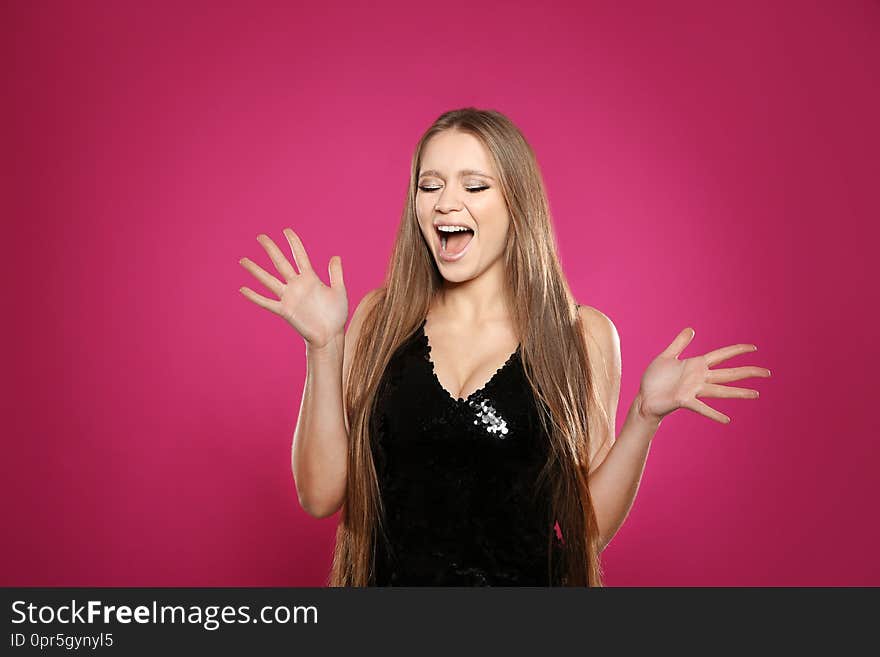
(493, 380)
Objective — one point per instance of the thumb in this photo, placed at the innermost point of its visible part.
(681, 341)
(336, 279)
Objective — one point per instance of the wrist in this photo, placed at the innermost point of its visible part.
(643, 415)
(333, 347)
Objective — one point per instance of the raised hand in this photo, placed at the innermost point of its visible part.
(669, 383)
(318, 312)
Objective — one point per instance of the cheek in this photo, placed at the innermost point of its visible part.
(494, 219)
(424, 211)
(490, 209)
(423, 215)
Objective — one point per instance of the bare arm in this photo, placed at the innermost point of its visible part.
(614, 484)
(319, 455)
(667, 385)
(317, 312)
(617, 463)
(320, 441)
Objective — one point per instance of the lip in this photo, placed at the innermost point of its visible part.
(458, 256)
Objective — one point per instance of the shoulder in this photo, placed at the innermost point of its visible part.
(354, 326)
(600, 333)
(357, 317)
(603, 352)
(363, 308)
(371, 296)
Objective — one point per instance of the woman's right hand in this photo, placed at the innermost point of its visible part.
(318, 312)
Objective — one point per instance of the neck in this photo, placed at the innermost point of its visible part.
(475, 300)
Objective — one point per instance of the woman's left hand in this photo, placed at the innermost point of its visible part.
(669, 384)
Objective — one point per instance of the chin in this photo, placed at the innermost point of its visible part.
(455, 276)
(455, 272)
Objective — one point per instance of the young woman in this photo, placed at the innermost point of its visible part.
(465, 422)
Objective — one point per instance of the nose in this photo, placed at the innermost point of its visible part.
(448, 200)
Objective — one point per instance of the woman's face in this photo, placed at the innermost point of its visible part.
(458, 187)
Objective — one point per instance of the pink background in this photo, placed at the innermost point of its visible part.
(708, 166)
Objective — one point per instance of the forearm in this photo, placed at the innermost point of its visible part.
(614, 484)
(320, 441)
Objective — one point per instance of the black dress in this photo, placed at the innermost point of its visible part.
(458, 477)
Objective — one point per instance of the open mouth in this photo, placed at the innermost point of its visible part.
(453, 244)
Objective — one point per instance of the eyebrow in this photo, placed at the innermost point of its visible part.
(463, 172)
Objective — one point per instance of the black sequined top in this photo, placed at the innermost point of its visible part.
(457, 478)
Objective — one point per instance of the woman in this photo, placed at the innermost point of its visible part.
(465, 421)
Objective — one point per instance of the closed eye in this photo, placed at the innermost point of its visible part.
(472, 190)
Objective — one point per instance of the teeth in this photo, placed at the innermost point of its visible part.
(452, 229)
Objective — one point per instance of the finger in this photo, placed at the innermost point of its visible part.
(298, 250)
(262, 275)
(281, 264)
(736, 373)
(722, 354)
(678, 345)
(712, 390)
(699, 407)
(336, 279)
(268, 304)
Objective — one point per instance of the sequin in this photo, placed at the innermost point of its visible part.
(494, 423)
(457, 478)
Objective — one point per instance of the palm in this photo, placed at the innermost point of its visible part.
(315, 310)
(669, 383)
(318, 312)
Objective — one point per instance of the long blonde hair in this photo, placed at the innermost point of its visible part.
(553, 353)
